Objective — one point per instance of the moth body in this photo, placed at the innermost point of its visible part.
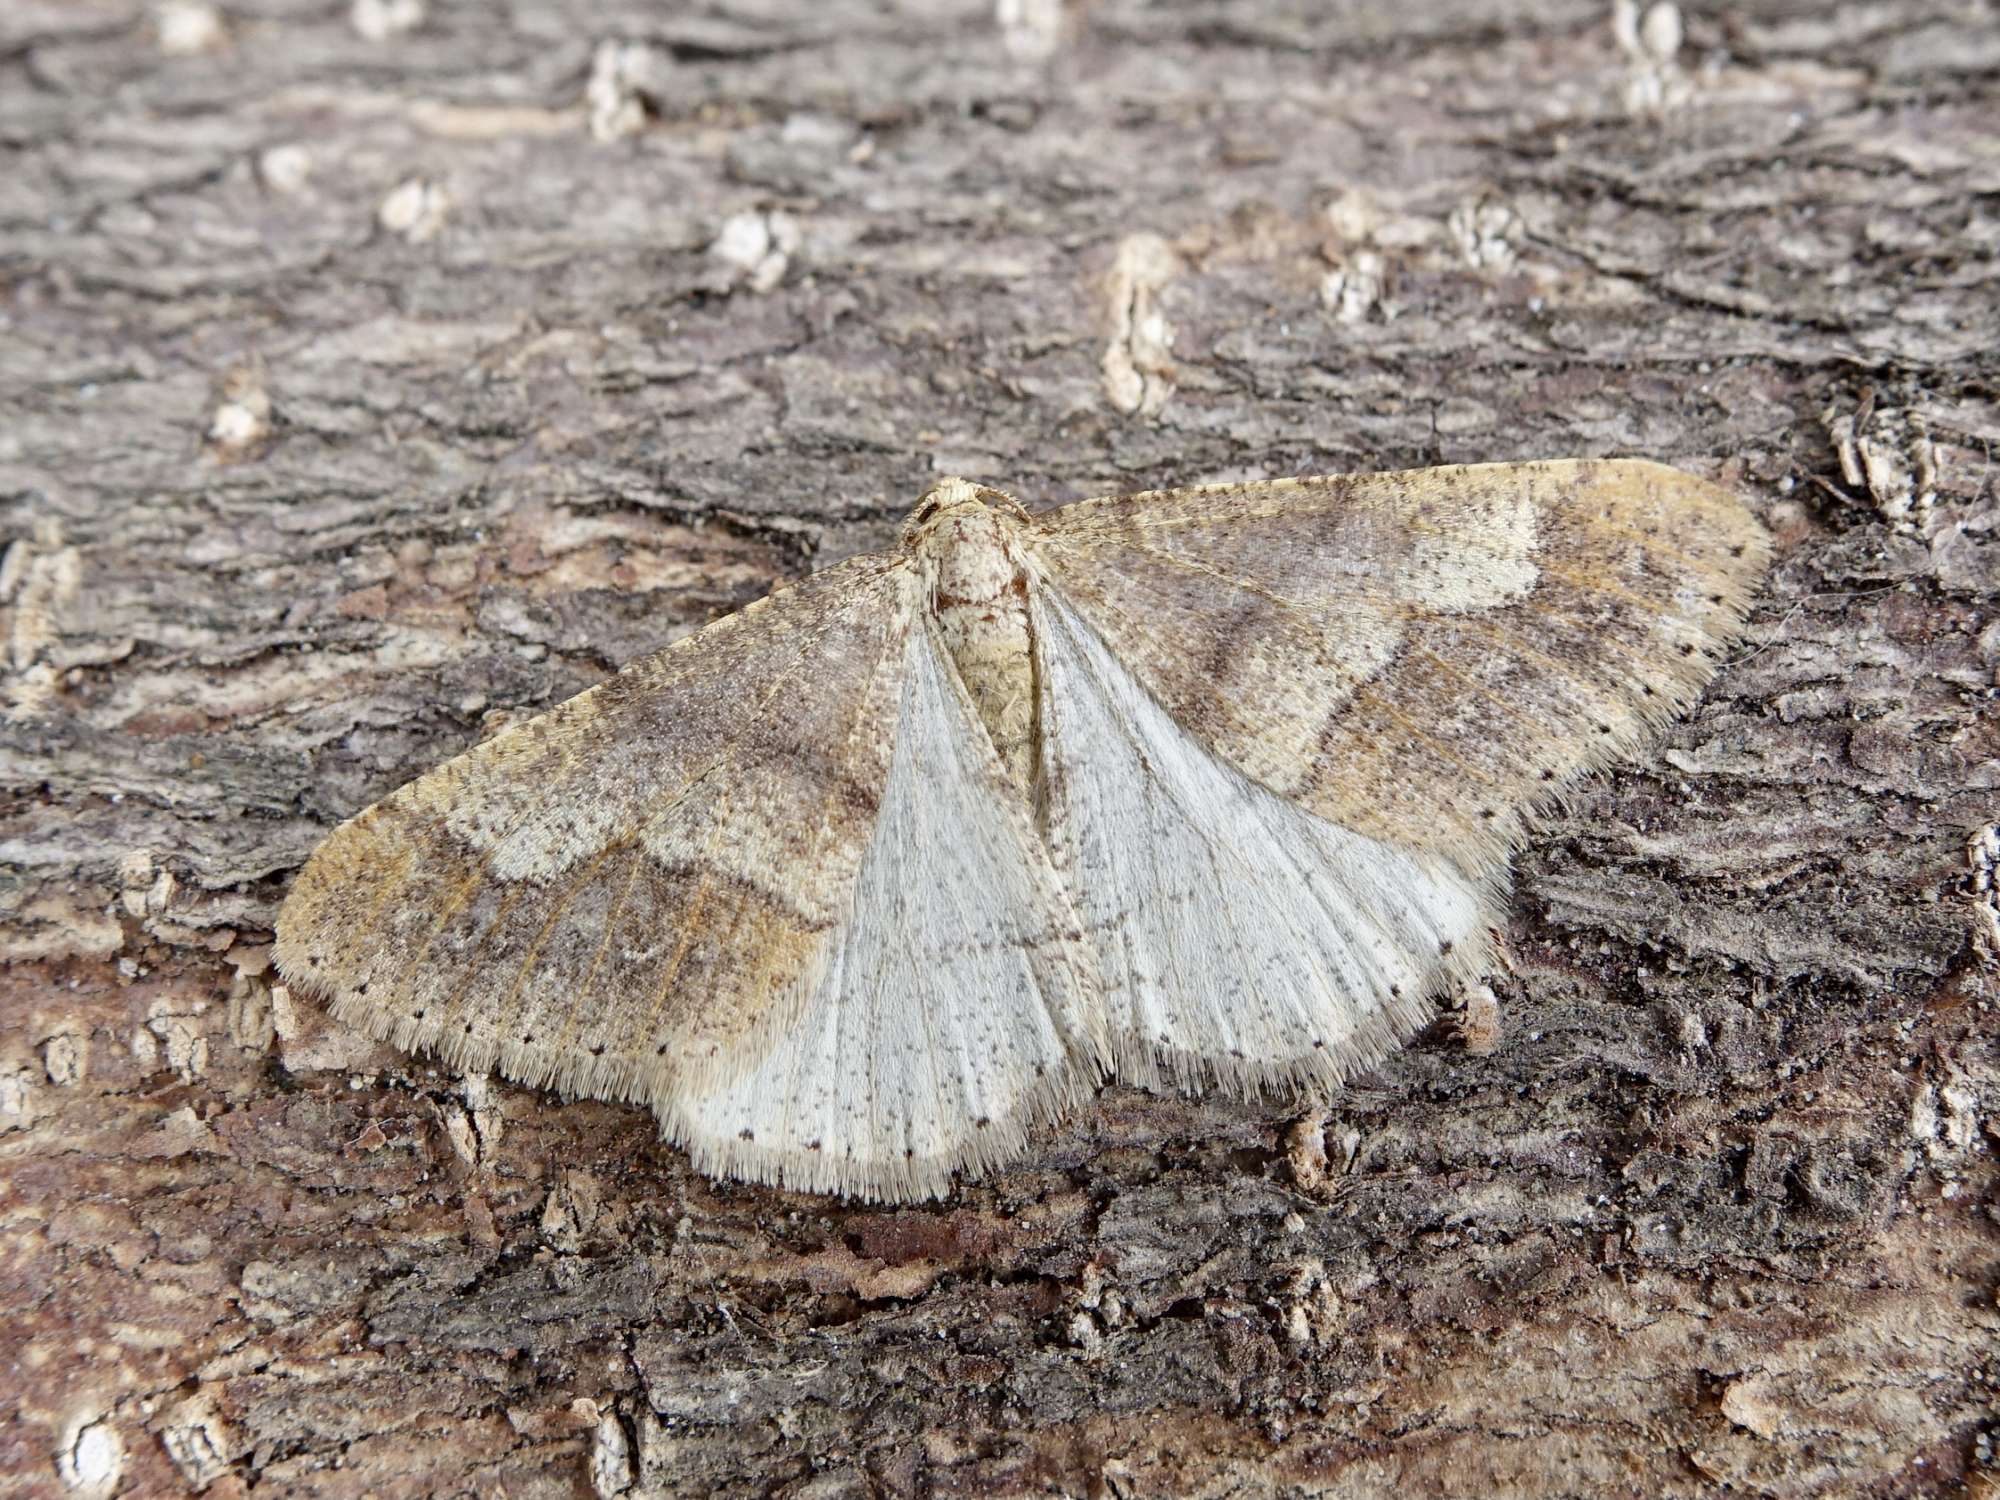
(967, 541)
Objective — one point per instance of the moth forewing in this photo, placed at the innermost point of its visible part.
(1421, 657)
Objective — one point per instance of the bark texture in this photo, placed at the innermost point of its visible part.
(370, 375)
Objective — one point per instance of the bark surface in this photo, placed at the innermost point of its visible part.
(364, 387)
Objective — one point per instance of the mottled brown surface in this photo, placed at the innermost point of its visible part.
(303, 499)
(556, 906)
(1426, 656)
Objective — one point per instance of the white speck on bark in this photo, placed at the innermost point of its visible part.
(1138, 364)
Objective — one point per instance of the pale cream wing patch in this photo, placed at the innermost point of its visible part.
(1240, 937)
(956, 1005)
(1419, 657)
(628, 891)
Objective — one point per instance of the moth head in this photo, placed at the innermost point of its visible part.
(950, 497)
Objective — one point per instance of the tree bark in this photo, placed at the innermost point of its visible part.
(362, 388)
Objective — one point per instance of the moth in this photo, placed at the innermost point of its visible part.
(1203, 788)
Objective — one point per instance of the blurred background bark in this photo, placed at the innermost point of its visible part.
(370, 375)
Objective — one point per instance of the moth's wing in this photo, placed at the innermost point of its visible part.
(957, 1004)
(608, 895)
(1419, 657)
(1291, 730)
(696, 886)
(1239, 937)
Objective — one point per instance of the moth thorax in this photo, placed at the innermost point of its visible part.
(979, 597)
